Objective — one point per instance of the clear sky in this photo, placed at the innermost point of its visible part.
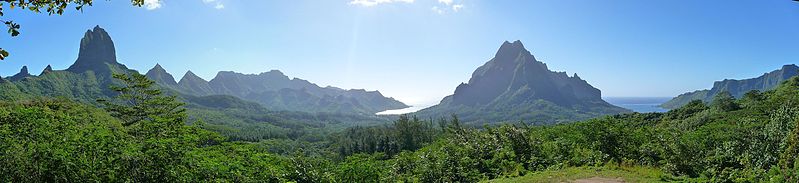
(418, 51)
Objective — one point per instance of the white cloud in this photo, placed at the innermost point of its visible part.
(152, 4)
(368, 3)
(437, 10)
(457, 7)
(441, 7)
(217, 4)
(446, 6)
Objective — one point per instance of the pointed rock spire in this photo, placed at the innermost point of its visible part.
(23, 73)
(96, 49)
(24, 70)
(46, 70)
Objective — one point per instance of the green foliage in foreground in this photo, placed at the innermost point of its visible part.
(627, 174)
(752, 139)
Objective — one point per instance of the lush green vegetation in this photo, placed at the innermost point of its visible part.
(737, 88)
(142, 135)
(627, 174)
(230, 116)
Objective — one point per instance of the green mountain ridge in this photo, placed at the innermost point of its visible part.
(90, 78)
(736, 88)
(23, 73)
(276, 91)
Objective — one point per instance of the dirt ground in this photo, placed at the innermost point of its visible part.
(599, 180)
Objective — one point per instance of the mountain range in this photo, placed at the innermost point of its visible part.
(273, 90)
(737, 88)
(514, 86)
(90, 78)
(276, 91)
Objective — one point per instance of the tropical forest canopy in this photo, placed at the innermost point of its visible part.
(514, 121)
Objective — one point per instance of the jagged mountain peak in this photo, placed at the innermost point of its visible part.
(24, 70)
(514, 69)
(158, 67)
(192, 84)
(275, 72)
(23, 73)
(46, 70)
(515, 45)
(161, 76)
(277, 91)
(510, 51)
(96, 50)
(190, 76)
(226, 75)
(515, 81)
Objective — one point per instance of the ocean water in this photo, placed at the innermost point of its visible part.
(639, 104)
(413, 108)
(404, 110)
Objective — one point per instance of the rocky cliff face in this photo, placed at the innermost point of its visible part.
(515, 73)
(515, 81)
(737, 88)
(96, 51)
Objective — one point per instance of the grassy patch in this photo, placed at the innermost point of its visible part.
(628, 174)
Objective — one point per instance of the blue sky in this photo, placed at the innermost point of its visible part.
(418, 51)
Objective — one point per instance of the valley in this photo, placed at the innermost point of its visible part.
(399, 91)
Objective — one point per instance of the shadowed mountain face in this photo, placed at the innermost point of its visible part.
(193, 85)
(276, 91)
(515, 86)
(159, 75)
(514, 70)
(96, 50)
(737, 88)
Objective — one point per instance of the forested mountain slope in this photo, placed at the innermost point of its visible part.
(276, 91)
(90, 79)
(514, 86)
